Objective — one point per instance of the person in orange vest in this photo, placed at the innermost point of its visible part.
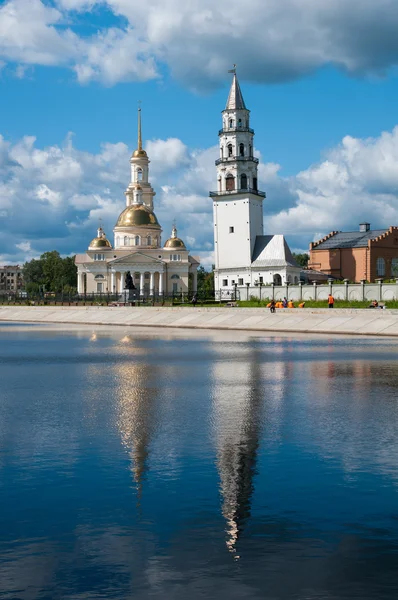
(302, 304)
(290, 304)
(330, 301)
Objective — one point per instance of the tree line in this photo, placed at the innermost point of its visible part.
(50, 273)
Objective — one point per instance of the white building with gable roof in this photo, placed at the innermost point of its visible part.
(243, 255)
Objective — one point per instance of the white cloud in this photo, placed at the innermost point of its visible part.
(275, 40)
(53, 197)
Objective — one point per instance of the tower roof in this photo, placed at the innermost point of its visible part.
(139, 151)
(235, 98)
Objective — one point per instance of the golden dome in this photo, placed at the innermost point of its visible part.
(100, 242)
(175, 243)
(137, 215)
(139, 153)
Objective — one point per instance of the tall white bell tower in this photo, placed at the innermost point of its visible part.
(237, 203)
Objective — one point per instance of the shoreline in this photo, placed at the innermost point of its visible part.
(357, 322)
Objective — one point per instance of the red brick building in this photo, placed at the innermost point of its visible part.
(356, 255)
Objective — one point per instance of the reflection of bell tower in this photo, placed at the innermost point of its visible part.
(238, 422)
(136, 419)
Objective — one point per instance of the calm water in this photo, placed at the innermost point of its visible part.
(176, 468)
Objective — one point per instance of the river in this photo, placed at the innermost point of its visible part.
(212, 465)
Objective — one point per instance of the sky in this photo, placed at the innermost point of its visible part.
(319, 76)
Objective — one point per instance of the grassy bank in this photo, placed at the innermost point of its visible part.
(321, 303)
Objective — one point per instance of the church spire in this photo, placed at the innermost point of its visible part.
(139, 151)
(235, 99)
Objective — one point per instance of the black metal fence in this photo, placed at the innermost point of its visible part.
(132, 297)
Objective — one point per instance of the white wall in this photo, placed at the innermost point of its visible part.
(354, 291)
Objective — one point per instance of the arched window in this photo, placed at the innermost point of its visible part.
(137, 240)
(295, 279)
(155, 241)
(231, 123)
(219, 184)
(250, 151)
(126, 240)
(239, 122)
(118, 241)
(230, 150)
(149, 240)
(255, 183)
(277, 279)
(230, 183)
(289, 279)
(243, 181)
(175, 276)
(222, 152)
(380, 267)
(139, 174)
(241, 149)
(394, 267)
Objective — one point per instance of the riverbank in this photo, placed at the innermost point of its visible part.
(325, 321)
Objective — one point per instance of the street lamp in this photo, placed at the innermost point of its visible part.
(247, 285)
(261, 285)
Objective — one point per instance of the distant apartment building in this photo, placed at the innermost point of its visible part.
(11, 279)
(365, 254)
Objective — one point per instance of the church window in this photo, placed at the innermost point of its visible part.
(295, 279)
(277, 279)
(230, 183)
(243, 181)
(100, 288)
(175, 276)
(255, 183)
(230, 150)
(261, 279)
(240, 123)
(231, 123)
(394, 267)
(233, 282)
(225, 282)
(99, 277)
(137, 240)
(118, 241)
(380, 267)
(231, 230)
(240, 281)
(250, 151)
(149, 240)
(126, 240)
(222, 152)
(241, 149)
(139, 174)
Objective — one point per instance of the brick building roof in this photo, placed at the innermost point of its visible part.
(348, 239)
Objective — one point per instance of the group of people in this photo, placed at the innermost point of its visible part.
(285, 303)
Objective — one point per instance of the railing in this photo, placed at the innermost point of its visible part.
(127, 297)
(233, 129)
(240, 158)
(240, 191)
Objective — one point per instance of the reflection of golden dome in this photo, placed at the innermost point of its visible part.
(137, 215)
(174, 243)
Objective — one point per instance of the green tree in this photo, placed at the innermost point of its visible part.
(205, 280)
(50, 273)
(301, 259)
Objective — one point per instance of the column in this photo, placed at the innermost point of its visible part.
(315, 294)
(113, 282)
(195, 281)
(121, 285)
(151, 283)
(160, 284)
(142, 282)
(80, 283)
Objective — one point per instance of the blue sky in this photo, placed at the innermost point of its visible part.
(320, 80)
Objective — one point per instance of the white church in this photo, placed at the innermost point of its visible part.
(243, 254)
(137, 249)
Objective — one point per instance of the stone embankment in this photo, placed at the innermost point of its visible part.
(336, 321)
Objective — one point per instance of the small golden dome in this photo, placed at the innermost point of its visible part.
(100, 242)
(175, 243)
(137, 215)
(139, 153)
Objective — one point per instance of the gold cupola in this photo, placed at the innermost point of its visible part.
(174, 241)
(100, 241)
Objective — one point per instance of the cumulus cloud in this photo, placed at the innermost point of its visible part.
(275, 40)
(53, 197)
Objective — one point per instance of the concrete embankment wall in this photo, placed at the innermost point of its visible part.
(336, 321)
